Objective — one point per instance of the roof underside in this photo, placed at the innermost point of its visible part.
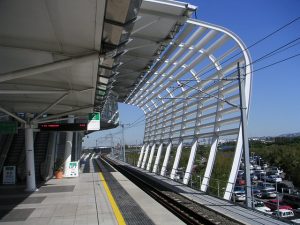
(63, 57)
(155, 27)
(48, 49)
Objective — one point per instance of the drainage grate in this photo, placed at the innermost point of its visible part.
(15, 214)
(21, 200)
(55, 189)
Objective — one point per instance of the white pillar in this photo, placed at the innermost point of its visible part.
(235, 166)
(76, 146)
(190, 164)
(166, 160)
(68, 145)
(151, 157)
(145, 156)
(157, 158)
(29, 147)
(141, 156)
(176, 161)
(210, 164)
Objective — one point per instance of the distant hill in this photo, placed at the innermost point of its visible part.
(290, 135)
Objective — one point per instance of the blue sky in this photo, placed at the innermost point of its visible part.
(275, 101)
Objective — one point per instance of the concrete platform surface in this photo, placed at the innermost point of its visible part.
(68, 201)
(83, 201)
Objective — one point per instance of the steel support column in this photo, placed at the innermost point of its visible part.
(68, 145)
(243, 108)
(145, 156)
(176, 161)
(210, 164)
(166, 160)
(151, 157)
(141, 156)
(157, 159)
(29, 147)
(190, 164)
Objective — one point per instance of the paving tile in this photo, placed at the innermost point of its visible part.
(61, 220)
(36, 221)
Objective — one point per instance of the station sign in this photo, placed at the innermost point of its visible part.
(94, 121)
(62, 126)
(9, 174)
(72, 169)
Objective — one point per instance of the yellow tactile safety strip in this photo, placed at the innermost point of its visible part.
(112, 201)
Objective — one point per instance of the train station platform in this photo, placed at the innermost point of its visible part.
(100, 195)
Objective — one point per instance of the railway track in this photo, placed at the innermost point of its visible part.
(185, 209)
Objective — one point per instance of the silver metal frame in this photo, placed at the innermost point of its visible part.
(194, 94)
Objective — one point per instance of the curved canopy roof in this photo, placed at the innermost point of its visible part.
(62, 57)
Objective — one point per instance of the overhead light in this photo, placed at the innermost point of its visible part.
(103, 80)
(102, 87)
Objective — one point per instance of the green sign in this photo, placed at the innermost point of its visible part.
(8, 127)
(94, 121)
(94, 116)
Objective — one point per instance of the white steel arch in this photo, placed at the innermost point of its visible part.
(194, 94)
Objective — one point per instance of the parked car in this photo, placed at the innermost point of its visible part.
(283, 213)
(293, 200)
(256, 191)
(238, 197)
(265, 186)
(266, 194)
(275, 170)
(295, 221)
(238, 194)
(253, 177)
(272, 204)
(273, 178)
(260, 206)
(284, 188)
(257, 167)
(260, 174)
(240, 181)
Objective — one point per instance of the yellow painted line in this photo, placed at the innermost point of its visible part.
(112, 201)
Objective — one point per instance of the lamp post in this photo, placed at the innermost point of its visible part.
(277, 196)
(123, 143)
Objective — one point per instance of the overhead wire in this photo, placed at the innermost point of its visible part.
(255, 43)
(269, 54)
